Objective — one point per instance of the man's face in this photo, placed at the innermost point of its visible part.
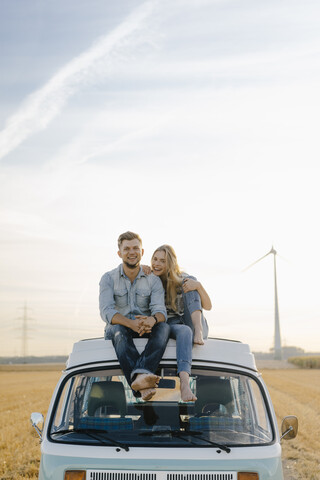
(131, 252)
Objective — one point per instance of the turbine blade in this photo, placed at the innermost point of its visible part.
(257, 261)
(283, 258)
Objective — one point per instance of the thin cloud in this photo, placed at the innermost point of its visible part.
(92, 143)
(42, 106)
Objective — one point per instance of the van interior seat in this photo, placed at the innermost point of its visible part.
(214, 396)
(107, 395)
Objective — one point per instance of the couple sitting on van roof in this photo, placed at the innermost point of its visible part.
(160, 305)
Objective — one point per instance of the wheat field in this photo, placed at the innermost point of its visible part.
(21, 393)
(297, 392)
(26, 389)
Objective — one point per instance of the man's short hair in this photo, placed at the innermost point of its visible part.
(128, 236)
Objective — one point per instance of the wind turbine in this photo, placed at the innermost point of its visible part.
(277, 335)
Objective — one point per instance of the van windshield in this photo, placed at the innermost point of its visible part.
(98, 407)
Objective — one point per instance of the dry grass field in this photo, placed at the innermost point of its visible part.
(297, 392)
(22, 392)
(29, 388)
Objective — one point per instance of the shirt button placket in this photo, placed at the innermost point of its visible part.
(131, 294)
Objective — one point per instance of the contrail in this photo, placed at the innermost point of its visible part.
(42, 106)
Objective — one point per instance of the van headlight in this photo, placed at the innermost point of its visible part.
(75, 475)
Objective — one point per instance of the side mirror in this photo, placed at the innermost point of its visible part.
(289, 427)
(37, 421)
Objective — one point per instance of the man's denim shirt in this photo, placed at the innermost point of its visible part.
(145, 296)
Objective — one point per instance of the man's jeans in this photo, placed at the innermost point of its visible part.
(181, 329)
(131, 361)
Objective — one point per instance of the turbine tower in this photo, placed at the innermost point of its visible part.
(277, 336)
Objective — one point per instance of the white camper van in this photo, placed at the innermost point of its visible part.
(97, 430)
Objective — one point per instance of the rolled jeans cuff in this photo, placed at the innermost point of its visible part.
(194, 306)
(184, 366)
(139, 370)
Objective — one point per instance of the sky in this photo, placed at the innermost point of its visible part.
(191, 122)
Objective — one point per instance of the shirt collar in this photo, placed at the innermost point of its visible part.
(140, 274)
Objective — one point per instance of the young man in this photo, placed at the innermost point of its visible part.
(132, 305)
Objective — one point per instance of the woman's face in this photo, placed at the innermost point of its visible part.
(159, 263)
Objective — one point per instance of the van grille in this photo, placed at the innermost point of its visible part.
(103, 475)
(112, 475)
(201, 476)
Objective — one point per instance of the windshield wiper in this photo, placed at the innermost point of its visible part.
(215, 444)
(185, 433)
(93, 433)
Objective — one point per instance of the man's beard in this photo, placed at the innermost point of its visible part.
(132, 266)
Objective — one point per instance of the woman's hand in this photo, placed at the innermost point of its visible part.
(189, 284)
(146, 269)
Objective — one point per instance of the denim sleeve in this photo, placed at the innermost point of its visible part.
(106, 298)
(157, 304)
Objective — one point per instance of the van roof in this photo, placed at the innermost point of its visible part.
(228, 353)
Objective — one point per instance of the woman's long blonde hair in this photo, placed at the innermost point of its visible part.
(173, 274)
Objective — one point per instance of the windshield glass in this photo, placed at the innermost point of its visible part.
(98, 407)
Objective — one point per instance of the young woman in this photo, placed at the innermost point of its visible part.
(185, 297)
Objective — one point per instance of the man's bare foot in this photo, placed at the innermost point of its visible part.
(198, 338)
(145, 380)
(185, 390)
(147, 393)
